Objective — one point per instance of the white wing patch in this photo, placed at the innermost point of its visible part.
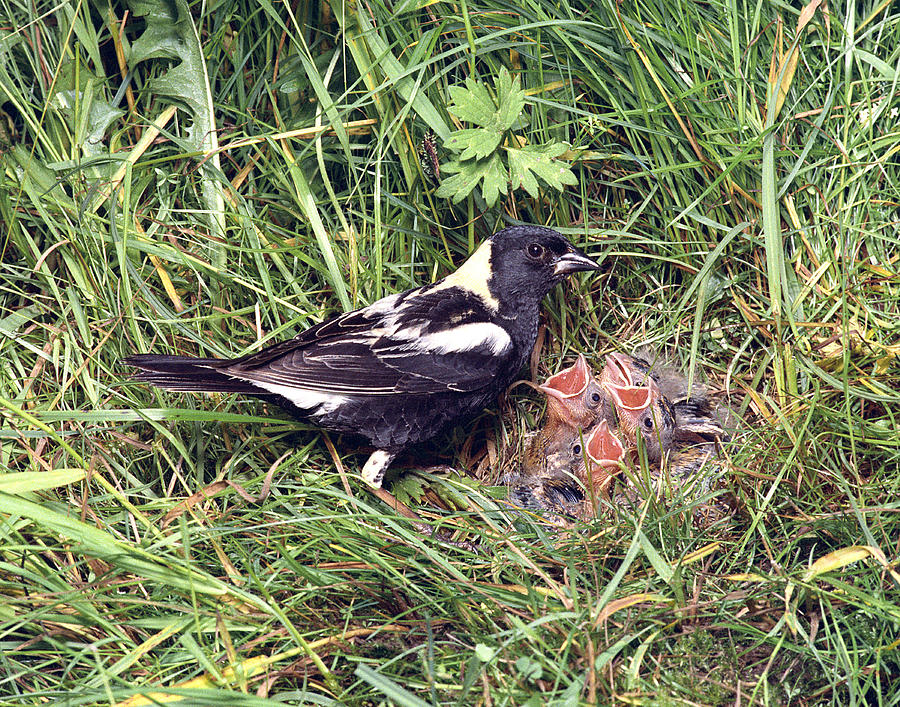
(465, 338)
(303, 398)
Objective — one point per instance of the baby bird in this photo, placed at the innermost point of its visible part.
(604, 455)
(680, 433)
(575, 396)
(575, 400)
(641, 408)
(577, 478)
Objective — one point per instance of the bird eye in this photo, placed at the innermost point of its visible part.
(535, 250)
(576, 449)
(595, 398)
(648, 423)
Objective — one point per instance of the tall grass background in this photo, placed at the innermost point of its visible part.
(204, 179)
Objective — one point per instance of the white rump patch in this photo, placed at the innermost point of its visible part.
(465, 338)
(304, 398)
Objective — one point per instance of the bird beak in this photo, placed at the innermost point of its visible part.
(618, 370)
(633, 398)
(603, 447)
(574, 261)
(569, 382)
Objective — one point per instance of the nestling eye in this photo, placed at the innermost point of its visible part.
(535, 251)
(576, 450)
(595, 399)
(648, 423)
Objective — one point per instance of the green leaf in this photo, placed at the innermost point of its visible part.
(510, 99)
(170, 34)
(484, 652)
(536, 160)
(97, 543)
(468, 174)
(395, 693)
(409, 489)
(529, 669)
(475, 143)
(25, 481)
(473, 103)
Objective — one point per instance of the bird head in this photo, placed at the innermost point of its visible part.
(527, 261)
(604, 452)
(574, 396)
(640, 406)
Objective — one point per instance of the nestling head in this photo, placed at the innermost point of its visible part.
(574, 396)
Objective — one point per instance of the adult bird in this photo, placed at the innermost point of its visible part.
(400, 370)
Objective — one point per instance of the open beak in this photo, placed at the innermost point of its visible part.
(603, 447)
(633, 398)
(569, 382)
(617, 370)
(574, 261)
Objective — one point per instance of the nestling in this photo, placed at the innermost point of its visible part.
(640, 406)
(400, 370)
(575, 400)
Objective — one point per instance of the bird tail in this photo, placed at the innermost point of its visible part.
(183, 373)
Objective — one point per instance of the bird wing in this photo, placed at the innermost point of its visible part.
(405, 343)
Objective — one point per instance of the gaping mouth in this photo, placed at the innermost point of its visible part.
(618, 370)
(619, 381)
(603, 447)
(633, 398)
(569, 382)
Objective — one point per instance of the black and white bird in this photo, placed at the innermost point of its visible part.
(402, 369)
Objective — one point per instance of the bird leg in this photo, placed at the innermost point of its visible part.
(375, 466)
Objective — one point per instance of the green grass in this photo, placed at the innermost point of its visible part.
(738, 178)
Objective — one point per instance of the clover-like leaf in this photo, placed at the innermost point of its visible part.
(475, 143)
(409, 488)
(469, 173)
(510, 99)
(479, 158)
(537, 160)
(473, 104)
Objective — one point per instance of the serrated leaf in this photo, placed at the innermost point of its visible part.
(475, 143)
(473, 103)
(510, 99)
(531, 161)
(496, 180)
(409, 489)
(170, 34)
(490, 172)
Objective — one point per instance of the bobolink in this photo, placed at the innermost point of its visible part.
(403, 368)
